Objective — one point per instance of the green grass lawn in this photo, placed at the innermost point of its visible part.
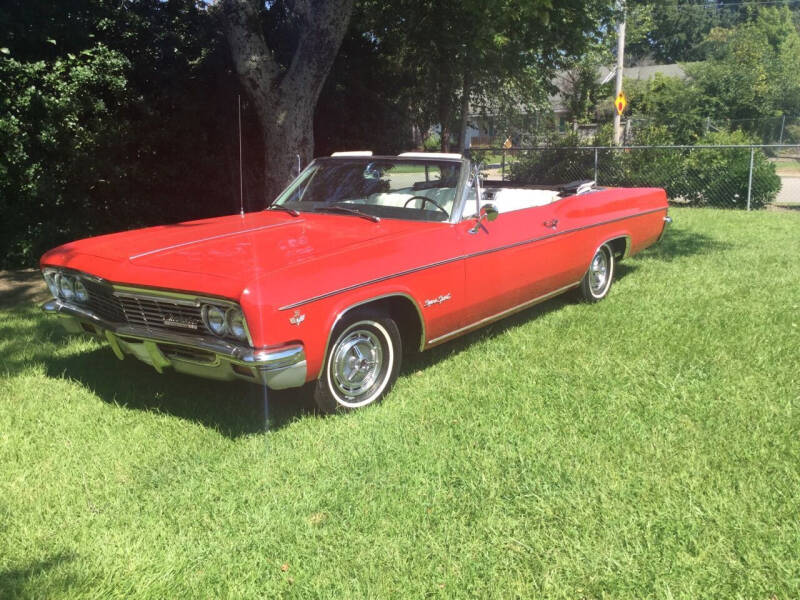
(644, 447)
(787, 166)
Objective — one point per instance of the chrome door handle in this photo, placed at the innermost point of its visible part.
(552, 223)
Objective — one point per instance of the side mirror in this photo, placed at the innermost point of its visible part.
(488, 212)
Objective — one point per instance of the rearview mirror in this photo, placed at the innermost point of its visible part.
(488, 212)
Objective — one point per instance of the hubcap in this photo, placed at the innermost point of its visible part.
(357, 363)
(598, 273)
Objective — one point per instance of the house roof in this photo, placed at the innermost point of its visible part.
(560, 81)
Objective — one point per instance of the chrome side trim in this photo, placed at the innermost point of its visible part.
(355, 286)
(502, 314)
(463, 257)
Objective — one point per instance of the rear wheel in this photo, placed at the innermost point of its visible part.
(362, 362)
(597, 281)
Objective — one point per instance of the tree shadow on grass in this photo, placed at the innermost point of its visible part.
(30, 339)
(680, 243)
(234, 408)
(21, 582)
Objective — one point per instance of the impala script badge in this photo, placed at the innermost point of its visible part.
(439, 300)
(181, 322)
(297, 318)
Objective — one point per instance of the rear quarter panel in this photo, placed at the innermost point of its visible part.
(593, 219)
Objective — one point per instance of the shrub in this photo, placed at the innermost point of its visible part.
(432, 143)
(559, 162)
(720, 176)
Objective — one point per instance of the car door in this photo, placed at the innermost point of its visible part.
(521, 256)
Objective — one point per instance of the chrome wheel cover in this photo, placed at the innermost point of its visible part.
(598, 273)
(356, 365)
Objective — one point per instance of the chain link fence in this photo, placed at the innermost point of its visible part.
(743, 177)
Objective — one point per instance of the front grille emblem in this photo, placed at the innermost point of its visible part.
(180, 322)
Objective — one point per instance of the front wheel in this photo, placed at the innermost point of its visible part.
(362, 362)
(597, 280)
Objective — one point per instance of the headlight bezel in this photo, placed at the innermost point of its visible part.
(225, 321)
(80, 290)
(66, 286)
(206, 313)
(239, 331)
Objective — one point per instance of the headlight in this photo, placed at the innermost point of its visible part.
(235, 321)
(50, 280)
(81, 293)
(66, 286)
(214, 319)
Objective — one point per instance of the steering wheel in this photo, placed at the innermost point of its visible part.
(424, 200)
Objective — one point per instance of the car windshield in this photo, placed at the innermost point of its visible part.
(395, 188)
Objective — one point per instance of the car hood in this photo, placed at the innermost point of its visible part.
(230, 251)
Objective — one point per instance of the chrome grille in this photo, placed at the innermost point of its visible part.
(157, 313)
(146, 311)
(103, 302)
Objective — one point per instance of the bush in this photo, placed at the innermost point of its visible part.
(698, 176)
(560, 162)
(721, 175)
(61, 149)
(432, 143)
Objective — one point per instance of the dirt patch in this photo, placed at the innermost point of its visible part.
(22, 287)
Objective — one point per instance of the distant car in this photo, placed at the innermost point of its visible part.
(359, 260)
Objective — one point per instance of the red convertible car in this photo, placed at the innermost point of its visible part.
(359, 260)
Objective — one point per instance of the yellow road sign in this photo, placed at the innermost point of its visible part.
(620, 103)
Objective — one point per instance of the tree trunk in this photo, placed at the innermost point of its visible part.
(285, 98)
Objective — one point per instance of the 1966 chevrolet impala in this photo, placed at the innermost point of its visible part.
(360, 259)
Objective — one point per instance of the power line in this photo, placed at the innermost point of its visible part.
(723, 5)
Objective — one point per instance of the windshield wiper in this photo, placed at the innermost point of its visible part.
(348, 211)
(291, 211)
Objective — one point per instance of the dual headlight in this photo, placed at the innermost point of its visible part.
(66, 287)
(223, 321)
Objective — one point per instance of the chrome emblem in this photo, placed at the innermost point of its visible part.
(439, 300)
(297, 318)
(180, 322)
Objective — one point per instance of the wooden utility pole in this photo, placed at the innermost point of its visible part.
(620, 59)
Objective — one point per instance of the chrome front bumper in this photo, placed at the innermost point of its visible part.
(277, 367)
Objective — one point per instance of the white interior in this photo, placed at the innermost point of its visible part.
(510, 199)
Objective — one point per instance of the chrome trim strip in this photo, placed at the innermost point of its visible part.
(504, 313)
(463, 257)
(371, 281)
(208, 239)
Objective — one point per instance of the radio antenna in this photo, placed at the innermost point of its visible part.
(241, 179)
